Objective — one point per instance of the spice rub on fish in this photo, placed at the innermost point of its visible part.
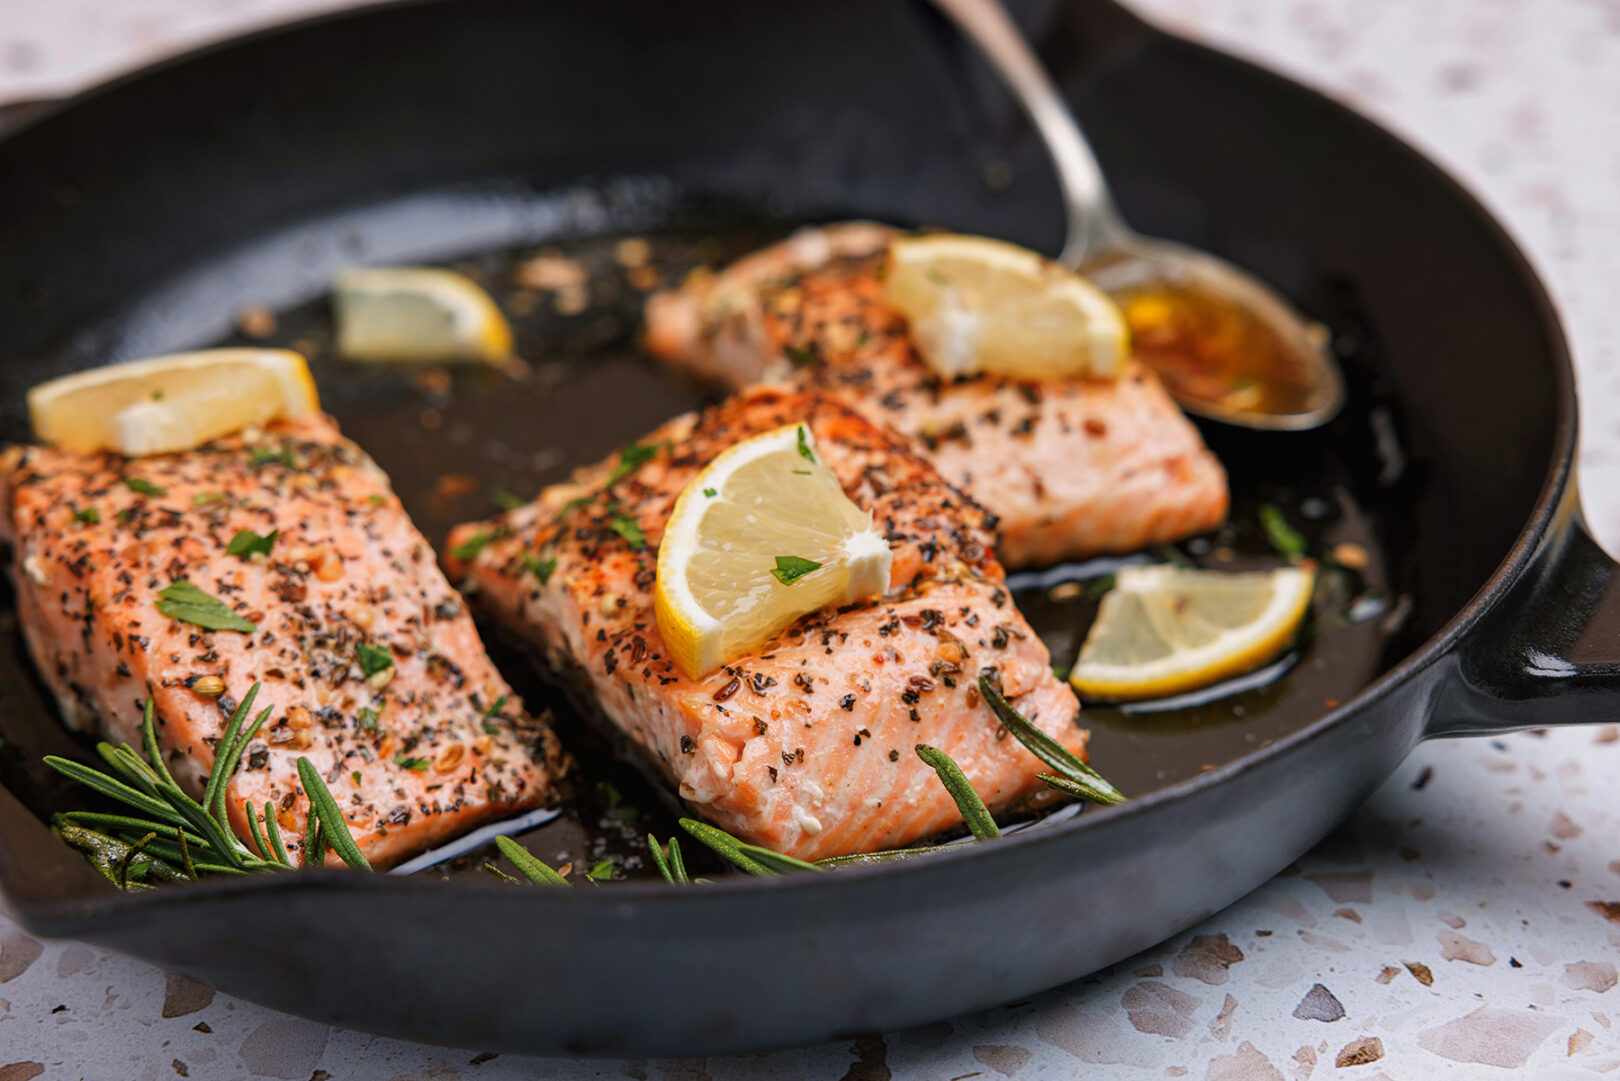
(331, 601)
(1072, 468)
(806, 745)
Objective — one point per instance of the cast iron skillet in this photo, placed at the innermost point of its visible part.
(140, 216)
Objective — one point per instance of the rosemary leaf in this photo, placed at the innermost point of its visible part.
(974, 813)
(224, 765)
(751, 858)
(526, 863)
(259, 840)
(1049, 750)
(891, 855)
(276, 844)
(109, 786)
(657, 852)
(1287, 541)
(313, 852)
(677, 865)
(333, 828)
(129, 855)
(149, 743)
(1077, 789)
(233, 760)
(502, 875)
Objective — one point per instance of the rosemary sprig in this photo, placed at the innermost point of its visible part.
(1084, 781)
(668, 862)
(974, 813)
(742, 855)
(173, 838)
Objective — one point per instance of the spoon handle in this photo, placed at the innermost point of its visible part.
(1094, 223)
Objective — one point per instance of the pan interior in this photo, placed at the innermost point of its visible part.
(450, 438)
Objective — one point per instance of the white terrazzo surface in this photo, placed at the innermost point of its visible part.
(1456, 928)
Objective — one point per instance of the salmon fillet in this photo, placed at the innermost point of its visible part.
(1071, 468)
(416, 753)
(805, 746)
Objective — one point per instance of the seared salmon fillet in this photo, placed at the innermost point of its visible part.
(806, 745)
(1071, 468)
(363, 650)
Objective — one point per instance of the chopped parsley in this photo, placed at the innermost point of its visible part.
(505, 500)
(247, 543)
(373, 659)
(802, 473)
(89, 515)
(602, 872)
(790, 569)
(263, 456)
(626, 527)
(631, 457)
(575, 503)
(469, 548)
(500, 704)
(126, 515)
(355, 777)
(144, 487)
(183, 601)
(804, 445)
(803, 355)
(1287, 540)
(415, 765)
(203, 499)
(710, 492)
(542, 569)
(368, 719)
(376, 499)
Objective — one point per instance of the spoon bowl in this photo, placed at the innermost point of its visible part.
(1227, 345)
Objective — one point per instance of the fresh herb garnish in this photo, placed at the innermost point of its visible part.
(1284, 538)
(1175, 557)
(710, 492)
(496, 706)
(247, 543)
(802, 355)
(1076, 778)
(204, 499)
(803, 473)
(144, 487)
(527, 865)
(183, 601)
(602, 872)
(627, 527)
(668, 861)
(575, 503)
(542, 569)
(631, 458)
(170, 837)
(126, 515)
(469, 548)
(368, 718)
(505, 500)
(373, 659)
(975, 815)
(89, 516)
(1099, 585)
(790, 569)
(804, 445)
(415, 765)
(263, 456)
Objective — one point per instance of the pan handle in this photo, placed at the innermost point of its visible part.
(1548, 651)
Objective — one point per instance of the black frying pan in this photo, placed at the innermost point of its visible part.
(139, 217)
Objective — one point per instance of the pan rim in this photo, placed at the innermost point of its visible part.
(77, 915)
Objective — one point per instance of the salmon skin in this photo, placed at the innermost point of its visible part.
(364, 651)
(1072, 468)
(806, 745)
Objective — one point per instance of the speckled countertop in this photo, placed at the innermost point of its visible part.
(1464, 924)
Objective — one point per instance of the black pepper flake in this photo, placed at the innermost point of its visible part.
(728, 690)
(688, 745)
(760, 727)
(847, 703)
(915, 716)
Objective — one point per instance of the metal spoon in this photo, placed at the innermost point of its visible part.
(1265, 368)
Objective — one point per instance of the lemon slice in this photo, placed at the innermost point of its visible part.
(171, 403)
(978, 305)
(763, 535)
(419, 314)
(1164, 630)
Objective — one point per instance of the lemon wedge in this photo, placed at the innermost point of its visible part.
(980, 305)
(171, 403)
(763, 535)
(1165, 630)
(422, 314)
